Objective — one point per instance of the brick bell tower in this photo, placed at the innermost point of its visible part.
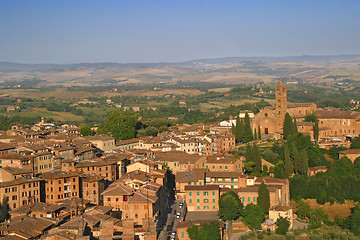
(280, 105)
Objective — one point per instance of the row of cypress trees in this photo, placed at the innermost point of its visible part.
(243, 132)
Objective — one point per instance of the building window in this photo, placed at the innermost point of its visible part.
(214, 200)
(189, 192)
(206, 200)
(248, 199)
(198, 207)
(198, 200)
(254, 199)
(197, 193)
(190, 200)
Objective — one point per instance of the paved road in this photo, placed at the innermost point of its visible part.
(172, 221)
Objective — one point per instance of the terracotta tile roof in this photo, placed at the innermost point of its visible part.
(117, 188)
(29, 225)
(6, 146)
(336, 114)
(177, 156)
(14, 156)
(228, 159)
(142, 197)
(18, 182)
(318, 168)
(185, 177)
(351, 151)
(57, 175)
(17, 171)
(101, 137)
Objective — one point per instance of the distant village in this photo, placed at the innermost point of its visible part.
(58, 184)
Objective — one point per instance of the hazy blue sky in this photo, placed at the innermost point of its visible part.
(71, 31)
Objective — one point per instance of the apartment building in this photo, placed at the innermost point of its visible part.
(61, 185)
(202, 198)
(92, 187)
(105, 169)
(20, 192)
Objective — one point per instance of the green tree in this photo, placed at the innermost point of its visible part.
(253, 216)
(85, 130)
(287, 126)
(283, 225)
(255, 134)
(313, 118)
(259, 133)
(355, 143)
(310, 117)
(233, 130)
(304, 162)
(230, 206)
(293, 128)
(295, 158)
(248, 134)
(249, 154)
(257, 159)
(355, 220)
(298, 187)
(206, 231)
(279, 171)
(316, 131)
(303, 210)
(263, 200)
(121, 124)
(249, 167)
(289, 167)
(149, 131)
(238, 134)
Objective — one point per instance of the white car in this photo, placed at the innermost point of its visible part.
(181, 205)
(178, 215)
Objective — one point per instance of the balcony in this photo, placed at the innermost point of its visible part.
(67, 184)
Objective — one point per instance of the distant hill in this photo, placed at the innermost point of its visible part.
(15, 67)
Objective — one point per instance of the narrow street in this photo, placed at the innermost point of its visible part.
(172, 220)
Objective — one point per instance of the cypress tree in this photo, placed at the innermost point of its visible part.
(296, 158)
(241, 130)
(287, 126)
(294, 130)
(249, 153)
(263, 200)
(289, 167)
(237, 130)
(257, 159)
(233, 129)
(248, 135)
(304, 162)
(255, 134)
(259, 132)
(316, 131)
